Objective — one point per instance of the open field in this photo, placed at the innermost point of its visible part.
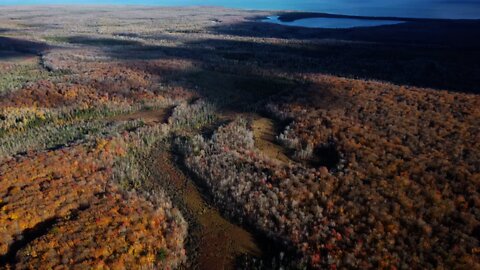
(201, 138)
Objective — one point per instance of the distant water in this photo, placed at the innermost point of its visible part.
(331, 22)
(454, 9)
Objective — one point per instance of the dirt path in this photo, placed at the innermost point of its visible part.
(219, 241)
(264, 132)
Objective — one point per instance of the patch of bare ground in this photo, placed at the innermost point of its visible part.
(264, 135)
(218, 241)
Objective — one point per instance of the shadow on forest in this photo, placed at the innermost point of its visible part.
(243, 76)
(439, 54)
(419, 65)
(12, 47)
(227, 83)
(452, 33)
(442, 54)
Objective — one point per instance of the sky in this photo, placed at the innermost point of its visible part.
(401, 8)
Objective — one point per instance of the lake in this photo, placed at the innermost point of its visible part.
(453, 9)
(331, 22)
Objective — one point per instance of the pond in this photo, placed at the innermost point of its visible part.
(331, 22)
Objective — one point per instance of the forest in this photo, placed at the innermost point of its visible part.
(202, 138)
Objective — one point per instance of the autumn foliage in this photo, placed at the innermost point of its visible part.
(371, 175)
(402, 190)
(72, 186)
(115, 232)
